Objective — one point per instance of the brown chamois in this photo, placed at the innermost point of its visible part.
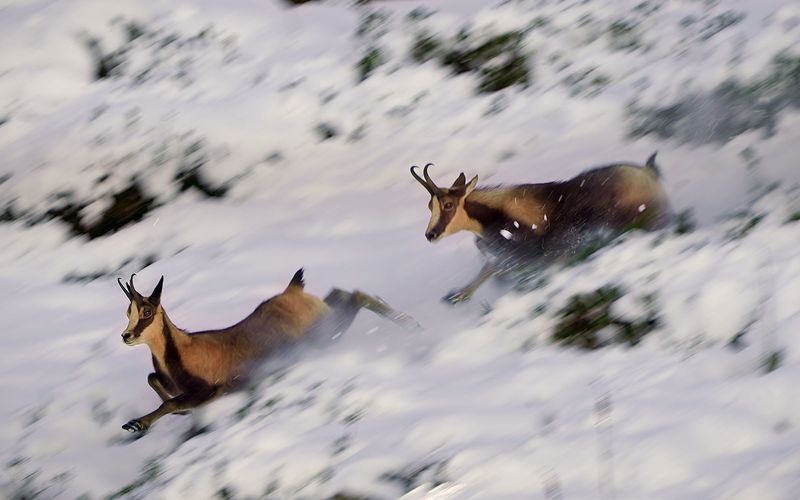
(525, 223)
(193, 368)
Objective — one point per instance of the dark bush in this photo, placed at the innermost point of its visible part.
(501, 61)
(729, 110)
(586, 316)
(372, 59)
(425, 47)
(190, 176)
(128, 206)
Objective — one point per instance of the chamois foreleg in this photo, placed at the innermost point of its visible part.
(183, 402)
(157, 385)
(345, 306)
(464, 294)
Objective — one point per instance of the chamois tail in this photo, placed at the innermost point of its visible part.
(652, 166)
(297, 280)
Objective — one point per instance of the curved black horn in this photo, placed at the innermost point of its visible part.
(124, 290)
(428, 177)
(131, 288)
(422, 181)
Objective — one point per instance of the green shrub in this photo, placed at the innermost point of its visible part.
(773, 361)
(586, 83)
(369, 63)
(624, 35)
(413, 476)
(684, 222)
(721, 22)
(747, 226)
(513, 72)
(501, 61)
(586, 316)
(189, 174)
(425, 47)
(729, 110)
(105, 64)
(127, 206)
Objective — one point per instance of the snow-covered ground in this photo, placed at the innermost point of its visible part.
(480, 404)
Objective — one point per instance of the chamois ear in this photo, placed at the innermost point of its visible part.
(155, 297)
(471, 185)
(460, 181)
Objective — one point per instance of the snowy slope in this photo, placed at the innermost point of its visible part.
(478, 405)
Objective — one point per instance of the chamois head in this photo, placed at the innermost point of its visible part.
(141, 312)
(447, 204)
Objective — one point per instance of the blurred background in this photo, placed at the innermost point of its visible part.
(226, 144)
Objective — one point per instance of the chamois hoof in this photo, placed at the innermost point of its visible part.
(406, 321)
(456, 297)
(135, 426)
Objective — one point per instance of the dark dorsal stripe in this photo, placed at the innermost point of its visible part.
(172, 359)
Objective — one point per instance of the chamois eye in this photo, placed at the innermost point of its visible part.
(448, 205)
(147, 313)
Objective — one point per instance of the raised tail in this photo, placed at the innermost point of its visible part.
(297, 280)
(651, 165)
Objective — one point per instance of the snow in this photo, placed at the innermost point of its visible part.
(480, 404)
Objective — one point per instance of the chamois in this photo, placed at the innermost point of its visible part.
(535, 223)
(192, 368)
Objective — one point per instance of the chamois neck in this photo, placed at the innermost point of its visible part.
(178, 334)
(485, 206)
(490, 197)
(166, 329)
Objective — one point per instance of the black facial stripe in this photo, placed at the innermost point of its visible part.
(444, 220)
(143, 322)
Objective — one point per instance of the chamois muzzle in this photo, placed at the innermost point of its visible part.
(127, 337)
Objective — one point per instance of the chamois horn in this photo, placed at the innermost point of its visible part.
(132, 289)
(124, 290)
(427, 183)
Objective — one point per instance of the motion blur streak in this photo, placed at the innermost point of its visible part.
(227, 144)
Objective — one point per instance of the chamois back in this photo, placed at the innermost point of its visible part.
(216, 355)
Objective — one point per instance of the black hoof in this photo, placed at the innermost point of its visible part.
(406, 321)
(134, 426)
(456, 297)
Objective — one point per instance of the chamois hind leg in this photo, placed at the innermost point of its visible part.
(345, 306)
(464, 294)
(185, 401)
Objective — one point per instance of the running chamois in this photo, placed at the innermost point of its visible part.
(537, 223)
(193, 368)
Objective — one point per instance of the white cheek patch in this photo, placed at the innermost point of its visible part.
(133, 317)
(436, 212)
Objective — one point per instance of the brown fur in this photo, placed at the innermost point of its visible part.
(192, 368)
(520, 204)
(528, 221)
(219, 357)
(615, 196)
